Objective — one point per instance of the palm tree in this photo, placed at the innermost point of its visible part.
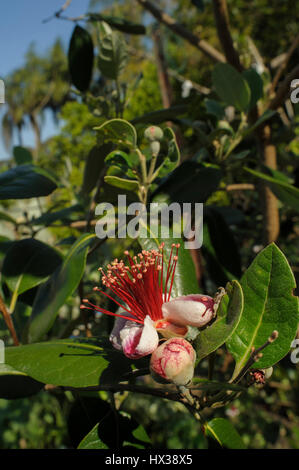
(42, 83)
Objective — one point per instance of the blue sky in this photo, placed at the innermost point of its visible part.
(21, 24)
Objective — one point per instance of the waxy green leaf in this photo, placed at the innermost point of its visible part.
(112, 56)
(269, 304)
(224, 433)
(15, 384)
(228, 317)
(231, 86)
(70, 362)
(26, 181)
(61, 284)
(27, 263)
(80, 58)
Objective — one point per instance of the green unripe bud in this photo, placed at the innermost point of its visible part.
(155, 147)
(153, 133)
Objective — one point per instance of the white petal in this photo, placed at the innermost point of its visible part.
(119, 325)
(139, 340)
(188, 310)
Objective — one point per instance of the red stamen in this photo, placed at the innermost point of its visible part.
(139, 284)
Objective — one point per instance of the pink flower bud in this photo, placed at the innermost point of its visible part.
(195, 310)
(173, 361)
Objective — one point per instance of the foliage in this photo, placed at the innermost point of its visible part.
(65, 385)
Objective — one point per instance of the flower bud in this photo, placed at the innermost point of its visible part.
(268, 372)
(153, 133)
(155, 147)
(173, 361)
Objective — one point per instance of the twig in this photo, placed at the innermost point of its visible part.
(157, 392)
(254, 357)
(284, 64)
(240, 187)
(284, 89)
(222, 23)
(9, 322)
(58, 13)
(193, 39)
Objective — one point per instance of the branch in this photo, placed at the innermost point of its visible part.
(284, 89)
(222, 23)
(156, 392)
(178, 29)
(58, 13)
(283, 65)
(9, 322)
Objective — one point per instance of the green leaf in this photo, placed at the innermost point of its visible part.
(185, 281)
(118, 156)
(92, 440)
(80, 58)
(269, 305)
(264, 117)
(95, 163)
(118, 131)
(66, 215)
(7, 218)
(112, 56)
(215, 108)
(221, 245)
(130, 185)
(104, 435)
(224, 433)
(22, 155)
(284, 191)
(173, 154)
(27, 263)
(190, 182)
(5, 244)
(118, 23)
(231, 86)
(228, 317)
(70, 362)
(256, 86)
(55, 292)
(26, 181)
(15, 384)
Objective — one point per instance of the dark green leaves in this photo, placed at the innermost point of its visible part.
(220, 248)
(26, 181)
(80, 58)
(255, 84)
(190, 182)
(55, 292)
(22, 155)
(15, 384)
(269, 305)
(231, 86)
(27, 263)
(129, 433)
(118, 23)
(224, 433)
(69, 362)
(94, 165)
(228, 316)
(284, 191)
(112, 56)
